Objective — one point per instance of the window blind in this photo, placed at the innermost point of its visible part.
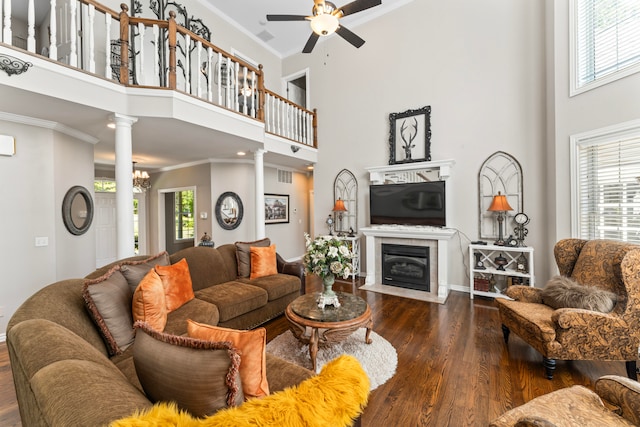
(607, 38)
(609, 190)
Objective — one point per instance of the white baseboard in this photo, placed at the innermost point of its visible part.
(3, 337)
(459, 288)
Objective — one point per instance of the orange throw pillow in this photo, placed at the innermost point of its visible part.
(253, 357)
(149, 301)
(263, 261)
(176, 280)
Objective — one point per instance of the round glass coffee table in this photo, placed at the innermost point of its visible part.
(322, 326)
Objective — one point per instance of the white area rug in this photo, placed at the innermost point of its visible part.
(379, 359)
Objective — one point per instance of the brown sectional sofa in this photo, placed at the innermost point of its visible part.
(62, 370)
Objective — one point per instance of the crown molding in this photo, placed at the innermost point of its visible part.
(47, 124)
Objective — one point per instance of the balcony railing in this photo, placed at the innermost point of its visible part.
(157, 54)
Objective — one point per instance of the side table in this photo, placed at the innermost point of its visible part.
(323, 326)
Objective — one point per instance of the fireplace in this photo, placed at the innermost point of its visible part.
(406, 266)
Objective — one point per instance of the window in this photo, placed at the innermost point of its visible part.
(606, 186)
(104, 185)
(183, 209)
(605, 42)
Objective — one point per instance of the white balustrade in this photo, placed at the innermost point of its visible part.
(236, 85)
(53, 32)
(31, 27)
(7, 37)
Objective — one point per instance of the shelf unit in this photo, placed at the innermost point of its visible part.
(488, 254)
(354, 246)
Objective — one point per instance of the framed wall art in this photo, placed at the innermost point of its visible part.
(276, 208)
(410, 136)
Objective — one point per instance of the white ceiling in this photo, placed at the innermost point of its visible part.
(288, 37)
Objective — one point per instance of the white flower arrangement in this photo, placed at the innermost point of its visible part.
(327, 255)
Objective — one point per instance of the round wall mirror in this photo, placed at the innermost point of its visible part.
(77, 210)
(229, 210)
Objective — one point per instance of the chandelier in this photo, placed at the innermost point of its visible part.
(141, 180)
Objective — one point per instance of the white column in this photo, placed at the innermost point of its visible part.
(259, 171)
(6, 32)
(124, 187)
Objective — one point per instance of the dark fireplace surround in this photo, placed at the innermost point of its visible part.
(406, 266)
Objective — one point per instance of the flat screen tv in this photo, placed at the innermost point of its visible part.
(419, 203)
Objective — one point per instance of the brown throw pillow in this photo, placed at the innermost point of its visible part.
(564, 292)
(263, 261)
(149, 303)
(243, 255)
(134, 271)
(108, 300)
(251, 345)
(200, 376)
(176, 281)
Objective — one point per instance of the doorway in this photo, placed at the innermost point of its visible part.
(106, 228)
(177, 226)
(296, 87)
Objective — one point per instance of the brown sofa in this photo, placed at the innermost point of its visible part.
(62, 370)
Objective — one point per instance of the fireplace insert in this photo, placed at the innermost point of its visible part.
(406, 266)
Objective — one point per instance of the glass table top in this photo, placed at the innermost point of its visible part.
(351, 307)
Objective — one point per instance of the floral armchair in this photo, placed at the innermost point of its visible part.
(577, 334)
(579, 406)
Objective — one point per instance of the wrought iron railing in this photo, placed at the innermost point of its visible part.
(157, 54)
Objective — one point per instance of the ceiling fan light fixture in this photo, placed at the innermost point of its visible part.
(324, 24)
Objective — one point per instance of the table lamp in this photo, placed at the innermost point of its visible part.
(501, 205)
(339, 208)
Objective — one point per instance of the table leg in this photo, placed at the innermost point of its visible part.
(313, 347)
(369, 328)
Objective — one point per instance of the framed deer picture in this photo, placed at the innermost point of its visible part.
(410, 136)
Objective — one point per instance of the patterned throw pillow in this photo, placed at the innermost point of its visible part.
(200, 376)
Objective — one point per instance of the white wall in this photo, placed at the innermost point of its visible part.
(607, 105)
(34, 182)
(481, 68)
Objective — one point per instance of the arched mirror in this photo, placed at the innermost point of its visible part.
(500, 172)
(229, 210)
(345, 187)
(77, 210)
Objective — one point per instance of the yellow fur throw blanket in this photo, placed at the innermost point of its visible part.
(333, 398)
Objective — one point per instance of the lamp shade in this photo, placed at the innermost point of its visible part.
(500, 203)
(339, 206)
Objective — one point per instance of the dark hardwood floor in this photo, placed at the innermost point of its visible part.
(453, 366)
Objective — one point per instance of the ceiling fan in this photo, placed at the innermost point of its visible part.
(325, 20)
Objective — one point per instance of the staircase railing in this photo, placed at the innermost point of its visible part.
(154, 53)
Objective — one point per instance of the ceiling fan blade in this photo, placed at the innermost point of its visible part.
(311, 43)
(286, 18)
(349, 36)
(358, 6)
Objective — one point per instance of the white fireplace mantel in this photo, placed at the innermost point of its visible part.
(379, 174)
(438, 238)
(376, 235)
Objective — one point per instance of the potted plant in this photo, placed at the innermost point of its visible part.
(326, 257)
